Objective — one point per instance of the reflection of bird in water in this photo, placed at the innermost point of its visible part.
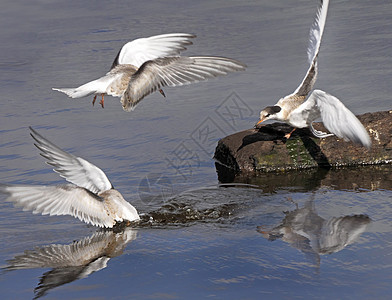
(147, 64)
(294, 110)
(91, 196)
(337, 233)
(305, 230)
(74, 261)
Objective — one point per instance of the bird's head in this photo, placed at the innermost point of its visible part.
(123, 209)
(270, 113)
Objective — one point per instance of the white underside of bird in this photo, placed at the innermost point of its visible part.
(144, 65)
(90, 197)
(294, 110)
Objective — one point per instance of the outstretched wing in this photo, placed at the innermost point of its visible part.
(60, 200)
(74, 169)
(315, 35)
(337, 118)
(175, 71)
(141, 50)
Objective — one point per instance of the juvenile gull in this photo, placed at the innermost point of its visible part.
(90, 197)
(294, 110)
(145, 65)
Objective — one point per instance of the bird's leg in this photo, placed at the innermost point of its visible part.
(162, 93)
(95, 98)
(101, 102)
(288, 135)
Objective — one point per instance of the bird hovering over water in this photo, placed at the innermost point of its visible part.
(145, 65)
(294, 110)
(90, 197)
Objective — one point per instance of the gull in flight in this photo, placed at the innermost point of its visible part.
(294, 110)
(90, 197)
(145, 65)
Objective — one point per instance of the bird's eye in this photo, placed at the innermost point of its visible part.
(267, 115)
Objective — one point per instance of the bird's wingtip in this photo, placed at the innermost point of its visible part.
(367, 144)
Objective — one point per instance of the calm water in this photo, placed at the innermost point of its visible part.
(302, 235)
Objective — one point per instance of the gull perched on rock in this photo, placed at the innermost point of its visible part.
(145, 65)
(294, 110)
(90, 196)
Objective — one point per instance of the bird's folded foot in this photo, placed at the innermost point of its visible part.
(95, 98)
(319, 134)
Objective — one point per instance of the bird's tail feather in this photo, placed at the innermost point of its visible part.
(74, 92)
(93, 87)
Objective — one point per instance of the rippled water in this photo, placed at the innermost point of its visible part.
(304, 234)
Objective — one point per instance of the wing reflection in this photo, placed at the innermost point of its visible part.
(74, 261)
(306, 231)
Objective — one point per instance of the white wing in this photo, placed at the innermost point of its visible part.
(337, 118)
(60, 200)
(175, 71)
(315, 35)
(317, 30)
(141, 50)
(74, 169)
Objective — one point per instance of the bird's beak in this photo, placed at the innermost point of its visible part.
(257, 124)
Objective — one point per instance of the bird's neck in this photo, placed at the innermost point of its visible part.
(288, 104)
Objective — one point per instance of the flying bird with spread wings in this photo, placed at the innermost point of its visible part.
(294, 110)
(145, 65)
